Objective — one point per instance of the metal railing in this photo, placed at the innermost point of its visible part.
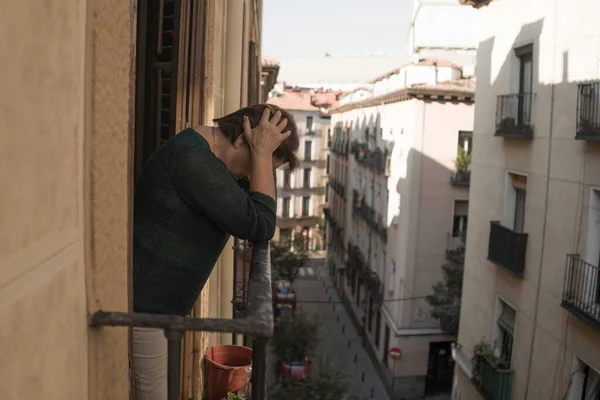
(257, 323)
(581, 291)
(460, 178)
(588, 111)
(496, 383)
(513, 116)
(507, 248)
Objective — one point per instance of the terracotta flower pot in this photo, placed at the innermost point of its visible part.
(228, 369)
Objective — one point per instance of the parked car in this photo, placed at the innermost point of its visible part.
(283, 292)
(297, 370)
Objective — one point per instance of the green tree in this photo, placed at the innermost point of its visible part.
(285, 262)
(325, 383)
(296, 334)
(446, 297)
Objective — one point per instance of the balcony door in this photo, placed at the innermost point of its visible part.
(525, 55)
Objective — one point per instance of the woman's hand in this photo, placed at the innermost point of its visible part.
(266, 137)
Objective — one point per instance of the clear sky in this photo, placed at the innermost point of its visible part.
(309, 27)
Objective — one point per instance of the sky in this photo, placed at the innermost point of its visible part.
(295, 28)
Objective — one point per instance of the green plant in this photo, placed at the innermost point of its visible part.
(482, 351)
(295, 335)
(285, 262)
(463, 160)
(327, 384)
(446, 297)
(236, 396)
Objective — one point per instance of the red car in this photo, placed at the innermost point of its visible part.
(297, 370)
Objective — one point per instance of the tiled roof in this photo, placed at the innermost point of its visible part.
(304, 100)
(424, 62)
(269, 62)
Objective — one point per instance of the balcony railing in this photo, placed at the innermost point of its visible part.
(376, 160)
(588, 112)
(496, 383)
(257, 323)
(513, 116)
(507, 248)
(581, 291)
(339, 146)
(460, 178)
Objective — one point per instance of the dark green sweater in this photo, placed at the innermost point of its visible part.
(186, 206)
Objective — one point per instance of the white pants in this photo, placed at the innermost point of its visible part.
(149, 364)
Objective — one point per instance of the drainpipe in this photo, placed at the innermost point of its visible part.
(234, 36)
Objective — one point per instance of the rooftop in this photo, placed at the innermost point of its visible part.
(303, 99)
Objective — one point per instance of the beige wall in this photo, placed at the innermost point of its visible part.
(547, 337)
(65, 241)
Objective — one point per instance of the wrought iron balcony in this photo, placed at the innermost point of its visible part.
(496, 383)
(461, 178)
(339, 146)
(375, 160)
(257, 323)
(581, 291)
(588, 112)
(513, 116)
(507, 248)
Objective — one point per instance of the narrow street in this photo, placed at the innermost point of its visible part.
(314, 290)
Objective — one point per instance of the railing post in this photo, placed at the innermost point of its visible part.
(174, 362)
(259, 369)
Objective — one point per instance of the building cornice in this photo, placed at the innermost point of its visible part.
(431, 94)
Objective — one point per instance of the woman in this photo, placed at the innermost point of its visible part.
(191, 196)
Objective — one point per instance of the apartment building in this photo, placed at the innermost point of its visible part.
(397, 209)
(530, 320)
(301, 193)
(91, 90)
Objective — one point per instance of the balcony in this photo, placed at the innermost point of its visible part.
(513, 116)
(301, 191)
(312, 163)
(460, 178)
(257, 323)
(495, 383)
(588, 112)
(312, 132)
(376, 160)
(507, 248)
(339, 146)
(337, 187)
(581, 291)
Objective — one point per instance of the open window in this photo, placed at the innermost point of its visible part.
(515, 202)
(504, 333)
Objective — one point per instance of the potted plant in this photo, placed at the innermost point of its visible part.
(481, 352)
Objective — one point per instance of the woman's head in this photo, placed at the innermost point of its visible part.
(232, 128)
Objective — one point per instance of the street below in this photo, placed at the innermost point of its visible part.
(339, 345)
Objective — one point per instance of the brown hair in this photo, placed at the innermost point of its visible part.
(232, 128)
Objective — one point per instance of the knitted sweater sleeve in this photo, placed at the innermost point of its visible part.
(205, 185)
